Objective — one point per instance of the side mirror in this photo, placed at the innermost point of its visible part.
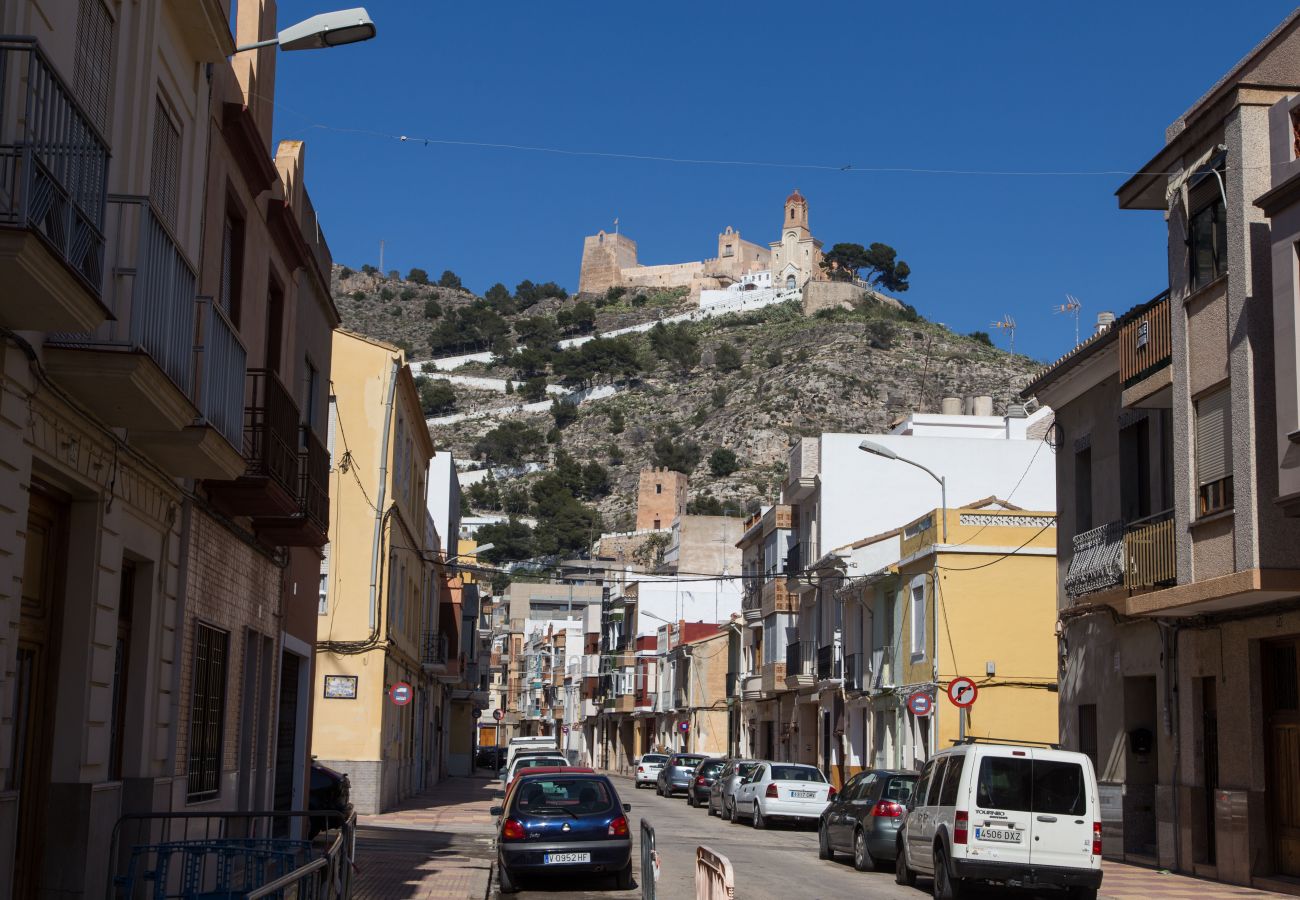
(496, 810)
(627, 807)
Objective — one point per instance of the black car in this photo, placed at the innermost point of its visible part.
(561, 822)
(490, 758)
(697, 794)
(330, 792)
(863, 819)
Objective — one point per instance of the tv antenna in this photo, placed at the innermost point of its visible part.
(1071, 306)
(1007, 324)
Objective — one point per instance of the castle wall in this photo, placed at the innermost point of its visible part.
(604, 257)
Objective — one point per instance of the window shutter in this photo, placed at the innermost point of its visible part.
(1213, 432)
(166, 165)
(92, 73)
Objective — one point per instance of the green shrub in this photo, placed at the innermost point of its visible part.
(358, 296)
(386, 294)
(418, 276)
(722, 462)
(727, 358)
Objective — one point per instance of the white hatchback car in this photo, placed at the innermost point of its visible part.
(648, 768)
(782, 791)
(1022, 816)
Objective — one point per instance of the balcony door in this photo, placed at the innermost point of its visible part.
(1281, 661)
(40, 621)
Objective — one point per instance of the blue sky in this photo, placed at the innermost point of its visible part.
(1010, 86)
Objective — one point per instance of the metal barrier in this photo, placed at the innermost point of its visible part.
(246, 855)
(649, 861)
(714, 877)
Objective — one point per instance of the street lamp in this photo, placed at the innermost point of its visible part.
(331, 29)
(885, 453)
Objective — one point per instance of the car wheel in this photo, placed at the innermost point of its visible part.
(861, 857)
(690, 799)
(945, 886)
(623, 880)
(758, 821)
(727, 813)
(824, 850)
(903, 873)
(507, 883)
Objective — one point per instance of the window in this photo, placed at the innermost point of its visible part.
(1004, 783)
(207, 712)
(93, 71)
(322, 607)
(1214, 452)
(659, 488)
(1135, 470)
(923, 785)
(951, 778)
(656, 524)
(1083, 490)
(727, 251)
(312, 391)
(1059, 788)
(274, 326)
(789, 282)
(918, 618)
(165, 167)
(232, 265)
(121, 668)
(1207, 231)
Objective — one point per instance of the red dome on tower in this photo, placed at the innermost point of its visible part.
(796, 197)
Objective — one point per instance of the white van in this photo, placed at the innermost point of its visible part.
(537, 742)
(1007, 814)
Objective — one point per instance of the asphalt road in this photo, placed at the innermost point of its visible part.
(779, 863)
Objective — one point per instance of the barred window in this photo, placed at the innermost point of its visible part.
(207, 712)
(165, 185)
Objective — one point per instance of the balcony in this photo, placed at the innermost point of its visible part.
(53, 183)
(1098, 561)
(828, 663)
(270, 485)
(751, 606)
(800, 664)
(1145, 351)
(1149, 556)
(435, 656)
(855, 672)
(625, 703)
(751, 687)
(804, 465)
(309, 526)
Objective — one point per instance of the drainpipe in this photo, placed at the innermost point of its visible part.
(379, 503)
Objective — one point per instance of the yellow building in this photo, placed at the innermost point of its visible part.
(379, 583)
(994, 623)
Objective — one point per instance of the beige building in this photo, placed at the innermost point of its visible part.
(660, 498)
(162, 448)
(1178, 563)
(377, 612)
(796, 255)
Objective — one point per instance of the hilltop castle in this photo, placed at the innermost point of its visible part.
(610, 260)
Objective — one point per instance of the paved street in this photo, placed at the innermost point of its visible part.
(438, 846)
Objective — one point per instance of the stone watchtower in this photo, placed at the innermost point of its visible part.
(604, 257)
(660, 499)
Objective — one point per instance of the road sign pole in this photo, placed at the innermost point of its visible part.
(961, 723)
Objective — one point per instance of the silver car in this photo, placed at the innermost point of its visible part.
(722, 796)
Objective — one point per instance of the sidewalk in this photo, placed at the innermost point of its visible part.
(436, 845)
(1125, 882)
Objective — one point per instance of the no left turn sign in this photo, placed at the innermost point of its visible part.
(962, 691)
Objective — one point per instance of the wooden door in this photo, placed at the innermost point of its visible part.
(34, 686)
(1282, 737)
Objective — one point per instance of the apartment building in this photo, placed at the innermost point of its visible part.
(1177, 557)
(378, 614)
(161, 413)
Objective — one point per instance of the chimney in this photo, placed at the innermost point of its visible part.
(1104, 321)
(984, 406)
(951, 406)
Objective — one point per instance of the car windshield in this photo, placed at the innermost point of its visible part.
(654, 759)
(796, 773)
(712, 767)
(746, 769)
(560, 796)
(689, 762)
(538, 762)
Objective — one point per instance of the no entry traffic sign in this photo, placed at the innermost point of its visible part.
(962, 691)
(400, 693)
(920, 703)
(684, 727)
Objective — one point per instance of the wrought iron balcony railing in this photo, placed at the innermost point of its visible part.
(221, 372)
(271, 430)
(1098, 561)
(828, 662)
(800, 658)
(53, 161)
(433, 652)
(314, 462)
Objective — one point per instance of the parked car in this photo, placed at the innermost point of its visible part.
(677, 773)
(1002, 813)
(722, 794)
(551, 753)
(563, 822)
(533, 742)
(648, 768)
(330, 791)
(782, 791)
(524, 763)
(697, 793)
(863, 818)
(544, 770)
(490, 757)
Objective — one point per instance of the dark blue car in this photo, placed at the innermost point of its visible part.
(563, 823)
